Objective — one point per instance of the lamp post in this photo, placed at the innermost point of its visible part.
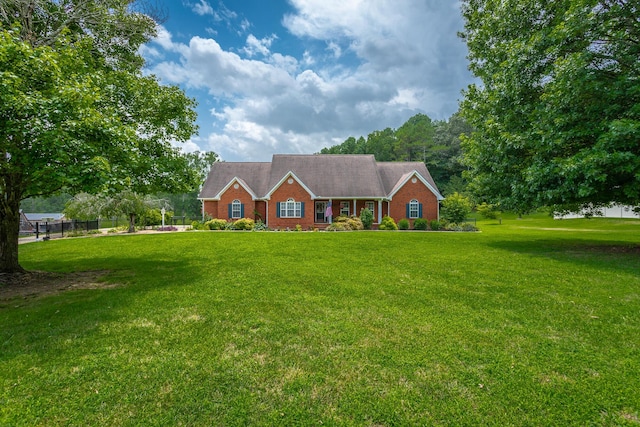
(163, 211)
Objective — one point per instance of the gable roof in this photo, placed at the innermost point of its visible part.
(330, 175)
(396, 174)
(255, 176)
(323, 175)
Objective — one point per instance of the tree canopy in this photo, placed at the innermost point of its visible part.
(436, 143)
(77, 113)
(556, 117)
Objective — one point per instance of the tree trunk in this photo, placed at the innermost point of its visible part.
(9, 232)
(132, 223)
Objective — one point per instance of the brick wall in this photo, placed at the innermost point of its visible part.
(414, 190)
(220, 209)
(296, 192)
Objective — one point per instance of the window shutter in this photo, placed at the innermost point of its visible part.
(242, 210)
(302, 209)
(408, 206)
(230, 208)
(277, 209)
(420, 210)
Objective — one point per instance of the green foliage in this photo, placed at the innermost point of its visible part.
(403, 224)
(338, 226)
(455, 208)
(387, 223)
(419, 224)
(198, 225)
(216, 224)
(436, 143)
(488, 211)
(244, 224)
(344, 223)
(435, 225)
(260, 226)
(556, 118)
(366, 217)
(78, 114)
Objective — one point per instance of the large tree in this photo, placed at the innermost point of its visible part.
(556, 116)
(76, 112)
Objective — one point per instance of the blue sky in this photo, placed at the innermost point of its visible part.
(276, 76)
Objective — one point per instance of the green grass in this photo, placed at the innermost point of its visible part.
(531, 322)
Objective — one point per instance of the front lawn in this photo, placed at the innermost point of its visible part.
(531, 322)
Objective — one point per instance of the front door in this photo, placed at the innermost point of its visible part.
(321, 208)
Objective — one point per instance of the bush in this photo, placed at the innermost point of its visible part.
(244, 224)
(260, 226)
(355, 223)
(420, 224)
(469, 227)
(403, 224)
(388, 224)
(435, 225)
(338, 226)
(198, 225)
(216, 224)
(366, 217)
(456, 208)
(488, 211)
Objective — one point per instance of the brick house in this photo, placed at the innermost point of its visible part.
(298, 190)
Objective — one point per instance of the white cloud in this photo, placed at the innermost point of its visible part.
(389, 60)
(202, 8)
(255, 46)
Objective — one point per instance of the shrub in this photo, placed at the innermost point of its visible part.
(420, 224)
(244, 224)
(488, 211)
(355, 223)
(260, 226)
(456, 208)
(298, 227)
(403, 224)
(366, 217)
(388, 224)
(216, 224)
(338, 226)
(435, 225)
(198, 225)
(469, 227)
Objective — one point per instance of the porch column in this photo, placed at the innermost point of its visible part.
(355, 206)
(379, 211)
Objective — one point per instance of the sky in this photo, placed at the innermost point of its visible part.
(295, 76)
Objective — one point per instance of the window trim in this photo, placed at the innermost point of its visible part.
(236, 209)
(344, 208)
(290, 209)
(414, 209)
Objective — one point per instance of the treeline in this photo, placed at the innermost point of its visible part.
(182, 204)
(434, 142)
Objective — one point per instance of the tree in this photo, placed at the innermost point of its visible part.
(456, 208)
(557, 117)
(414, 139)
(127, 202)
(77, 114)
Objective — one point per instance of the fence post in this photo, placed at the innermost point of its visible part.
(37, 230)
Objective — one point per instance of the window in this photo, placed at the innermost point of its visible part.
(344, 208)
(291, 209)
(371, 206)
(236, 209)
(413, 209)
